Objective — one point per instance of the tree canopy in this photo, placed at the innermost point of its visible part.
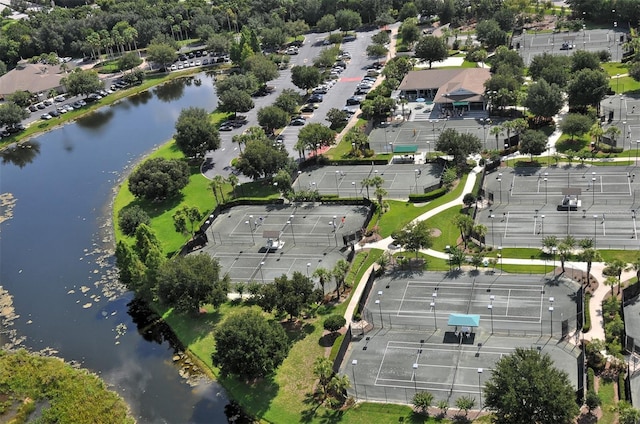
(587, 87)
(533, 142)
(195, 133)
(458, 145)
(413, 236)
(316, 135)
(289, 295)
(11, 114)
(431, 49)
(249, 345)
(305, 77)
(159, 178)
(261, 158)
(544, 99)
(525, 387)
(82, 82)
(188, 282)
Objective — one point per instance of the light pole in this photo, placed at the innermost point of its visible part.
(433, 308)
(545, 190)
(337, 185)
(500, 257)
(380, 308)
(490, 308)
(355, 190)
(261, 274)
(542, 224)
(551, 319)
(251, 231)
(595, 235)
(553, 251)
(480, 370)
(308, 266)
(493, 234)
(485, 122)
(500, 181)
(290, 222)
(416, 171)
(637, 144)
(535, 221)
(353, 372)
(413, 377)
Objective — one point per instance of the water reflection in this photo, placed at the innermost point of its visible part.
(141, 98)
(172, 90)
(20, 154)
(96, 120)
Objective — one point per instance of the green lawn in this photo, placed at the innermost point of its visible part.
(283, 398)
(401, 213)
(606, 391)
(615, 68)
(625, 85)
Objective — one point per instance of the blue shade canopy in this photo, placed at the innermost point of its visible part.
(464, 320)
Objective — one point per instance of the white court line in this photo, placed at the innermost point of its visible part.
(404, 296)
(496, 286)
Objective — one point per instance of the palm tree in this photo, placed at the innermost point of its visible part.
(465, 225)
(612, 132)
(323, 369)
(610, 281)
(590, 255)
(217, 183)
(596, 132)
(339, 384)
(496, 131)
(323, 276)
(614, 269)
(233, 180)
(340, 273)
(380, 193)
(481, 231)
(549, 242)
(635, 266)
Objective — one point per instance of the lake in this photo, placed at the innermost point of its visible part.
(56, 253)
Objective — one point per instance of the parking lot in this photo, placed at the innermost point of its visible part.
(413, 348)
(524, 206)
(311, 236)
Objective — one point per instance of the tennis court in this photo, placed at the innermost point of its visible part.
(347, 181)
(260, 243)
(413, 349)
(527, 204)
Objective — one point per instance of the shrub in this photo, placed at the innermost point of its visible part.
(587, 314)
(592, 400)
(334, 322)
(417, 198)
(130, 218)
(622, 393)
(591, 378)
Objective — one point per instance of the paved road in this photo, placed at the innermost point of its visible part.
(335, 98)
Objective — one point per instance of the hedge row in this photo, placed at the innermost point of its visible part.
(434, 194)
(587, 314)
(336, 348)
(359, 161)
(591, 378)
(622, 393)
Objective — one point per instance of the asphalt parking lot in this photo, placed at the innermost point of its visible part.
(522, 206)
(414, 349)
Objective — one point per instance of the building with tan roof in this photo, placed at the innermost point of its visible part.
(33, 77)
(450, 89)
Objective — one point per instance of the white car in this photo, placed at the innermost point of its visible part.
(198, 63)
(45, 116)
(174, 68)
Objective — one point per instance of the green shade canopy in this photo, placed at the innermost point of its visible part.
(464, 320)
(460, 104)
(409, 148)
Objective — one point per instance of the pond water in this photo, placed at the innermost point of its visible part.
(56, 254)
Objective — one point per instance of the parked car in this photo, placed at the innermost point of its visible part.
(354, 100)
(225, 127)
(54, 113)
(205, 61)
(60, 98)
(298, 121)
(48, 102)
(45, 116)
(316, 98)
(40, 106)
(308, 108)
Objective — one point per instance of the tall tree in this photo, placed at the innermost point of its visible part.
(11, 114)
(248, 345)
(340, 274)
(235, 100)
(458, 145)
(162, 54)
(195, 133)
(316, 135)
(188, 282)
(589, 256)
(533, 142)
(186, 218)
(431, 49)
(587, 88)
(544, 99)
(82, 82)
(413, 237)
(525, 388)
(305, 77)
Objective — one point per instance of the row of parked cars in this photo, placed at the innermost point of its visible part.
(68, 107)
